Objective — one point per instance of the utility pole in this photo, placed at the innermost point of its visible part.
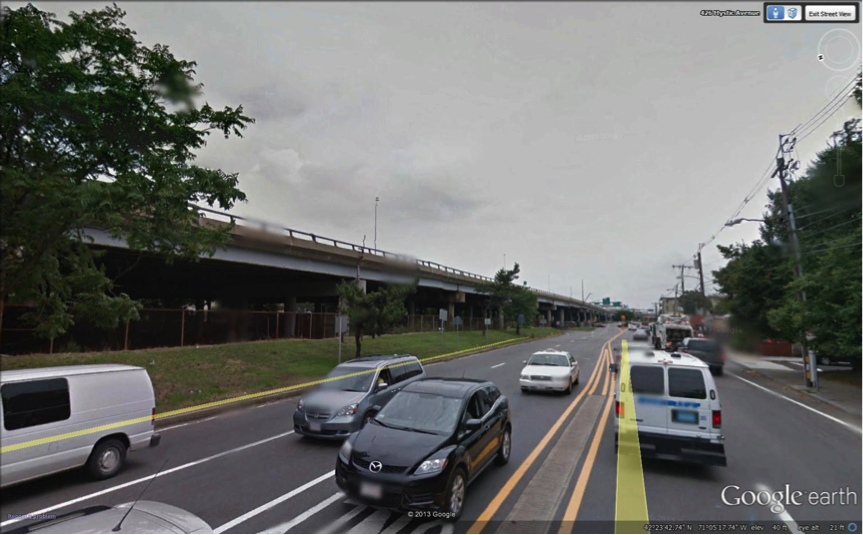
(701, 273)
(786, 146)
(582, 290)
(377, 199)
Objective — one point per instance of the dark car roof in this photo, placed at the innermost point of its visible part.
(445, 386)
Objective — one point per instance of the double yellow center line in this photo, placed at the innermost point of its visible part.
(601, 369)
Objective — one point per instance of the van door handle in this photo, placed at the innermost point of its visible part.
(639, 419)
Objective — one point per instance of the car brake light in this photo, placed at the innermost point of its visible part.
(717, 418)
(723, 356)
(618, 409)
(153, 416)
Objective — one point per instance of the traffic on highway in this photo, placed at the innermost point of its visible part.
(431, 267)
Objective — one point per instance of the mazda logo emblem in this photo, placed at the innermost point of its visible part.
(375, 466)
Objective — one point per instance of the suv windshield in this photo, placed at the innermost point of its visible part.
(415, 411)
(548, 360)
(353, 383)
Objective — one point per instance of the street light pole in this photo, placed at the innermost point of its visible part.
(377, 199)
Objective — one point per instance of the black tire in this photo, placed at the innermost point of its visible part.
(107, 459)
(524, 391)
(454, 511)
(717, 371)
(578, 377)
(568, 390)
(505, 448)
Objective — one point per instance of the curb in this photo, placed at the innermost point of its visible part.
(170, 421)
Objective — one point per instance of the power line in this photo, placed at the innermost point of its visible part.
(805, 235)
(832, 248)
(803, 126)
(836, 107)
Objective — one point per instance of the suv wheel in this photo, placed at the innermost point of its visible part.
(505, 448)
(107, 459)
(455, 495)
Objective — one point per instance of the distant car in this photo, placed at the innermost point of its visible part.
(707, 350)
(832, 360)
(622, 324)
(144, 517)
(633, 326)
(599, 325)
(338, 407)
(424, 448)
(640, 334)
(549, 370)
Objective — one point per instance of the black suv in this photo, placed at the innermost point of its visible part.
(707, 350)
(426, 445)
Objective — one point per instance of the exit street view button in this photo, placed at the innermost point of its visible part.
(832, 13)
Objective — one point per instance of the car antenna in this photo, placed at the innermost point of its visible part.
(463, 370)
(120, 523)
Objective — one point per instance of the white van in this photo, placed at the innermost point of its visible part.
(45, 403)
(677, 408)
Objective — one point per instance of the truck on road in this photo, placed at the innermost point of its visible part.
(670, 330)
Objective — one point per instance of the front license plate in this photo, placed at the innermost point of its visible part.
(371, 490)
(314, 427)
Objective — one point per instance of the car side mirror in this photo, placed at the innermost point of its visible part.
(473, 424)
(524, 361)
(381, 386)
(376, 409)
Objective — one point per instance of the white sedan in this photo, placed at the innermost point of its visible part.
(549, 371)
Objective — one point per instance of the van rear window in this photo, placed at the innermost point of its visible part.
(32, 403)
(647, 380)
(686, 384)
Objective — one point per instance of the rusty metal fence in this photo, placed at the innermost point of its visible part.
(159, 327)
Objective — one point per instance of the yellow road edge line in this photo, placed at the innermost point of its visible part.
(631, 498)
(574, 504)
(213, 404)
(508, 487)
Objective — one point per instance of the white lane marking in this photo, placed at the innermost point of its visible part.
(284, 527)
(147, 478)
(792, 524)
(335, 525)
(372, 524)
(816, 411)
(185, 424)
(403, 521)
(269, 505)
(558, 345)
(498, 365)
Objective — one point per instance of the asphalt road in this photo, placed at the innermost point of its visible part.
(246, 472)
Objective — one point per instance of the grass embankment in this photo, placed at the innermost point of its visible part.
(187, 376)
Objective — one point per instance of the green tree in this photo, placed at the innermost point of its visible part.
(503, 294)
(692, 301)
(373, 313)
(98, 130)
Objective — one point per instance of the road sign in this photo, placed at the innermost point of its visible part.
(442, 314)
(616, 304)
(458, 321)
(606, 300)
(542, 321)
(341, 324)
(488, 321)
(521, 319)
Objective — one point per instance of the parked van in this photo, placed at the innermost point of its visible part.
(677, 409)
(47, 403)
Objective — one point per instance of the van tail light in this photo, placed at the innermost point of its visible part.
(717, 419)
(723, 356)
(153, 417)
(618, 409)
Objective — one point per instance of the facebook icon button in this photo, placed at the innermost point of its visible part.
(775, 12)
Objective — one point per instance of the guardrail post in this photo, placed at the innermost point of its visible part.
(182, 327)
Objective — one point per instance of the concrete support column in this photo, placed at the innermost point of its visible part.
(548, 317)
(500, 319)
(560, 316)
(450, 314)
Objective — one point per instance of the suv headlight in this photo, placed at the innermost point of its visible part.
(432, 465)
(345, 452)
(348, 410)
(525, 376)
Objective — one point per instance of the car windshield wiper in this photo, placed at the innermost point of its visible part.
(420, 431)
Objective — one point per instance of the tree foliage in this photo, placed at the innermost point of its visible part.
(503, 294)
(692, 301)
(763, 296)
(373, 313)
(98, 131)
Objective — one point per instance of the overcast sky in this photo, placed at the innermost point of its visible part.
(595, 141)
